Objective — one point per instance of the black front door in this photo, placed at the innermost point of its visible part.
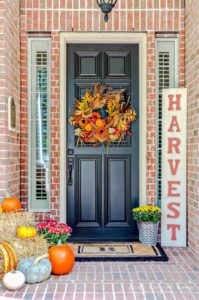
(103, 187)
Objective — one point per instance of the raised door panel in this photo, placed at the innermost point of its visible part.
(87, 65)
(117, 65)
(88, 190)
(117, 190)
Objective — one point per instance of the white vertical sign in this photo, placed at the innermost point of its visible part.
(174, 127)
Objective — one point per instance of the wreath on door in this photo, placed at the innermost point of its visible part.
(102, 116)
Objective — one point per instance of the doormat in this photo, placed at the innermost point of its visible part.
(132, 251)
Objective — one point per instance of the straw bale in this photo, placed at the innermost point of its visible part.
(10, 221)
(28, 247)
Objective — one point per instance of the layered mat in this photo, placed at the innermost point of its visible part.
(131, 251)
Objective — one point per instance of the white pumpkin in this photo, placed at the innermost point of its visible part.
(13, 280)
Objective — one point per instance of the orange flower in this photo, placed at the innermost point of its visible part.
(99, 123)
(96, 115)
(88, 127)
(82, 122)
(101, 134)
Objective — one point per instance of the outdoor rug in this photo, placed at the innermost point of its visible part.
(132, 251)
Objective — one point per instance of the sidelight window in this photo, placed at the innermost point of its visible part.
(39, 125)
(167, 77)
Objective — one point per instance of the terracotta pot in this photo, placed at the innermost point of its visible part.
(62, 259)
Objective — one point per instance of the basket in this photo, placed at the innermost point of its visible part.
(148, 233)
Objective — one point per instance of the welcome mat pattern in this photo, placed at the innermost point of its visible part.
(117, 251)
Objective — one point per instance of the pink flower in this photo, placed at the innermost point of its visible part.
(52, 230)
(53, 223)
(62, 225)
(69, 228)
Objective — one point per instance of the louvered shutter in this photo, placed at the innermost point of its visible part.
(39, 124)
(166, 71)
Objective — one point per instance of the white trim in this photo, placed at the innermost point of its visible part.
(102, 38)
(31, 42)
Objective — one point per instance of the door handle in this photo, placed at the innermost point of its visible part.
(70, 171)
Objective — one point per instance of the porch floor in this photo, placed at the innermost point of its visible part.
(176, 279)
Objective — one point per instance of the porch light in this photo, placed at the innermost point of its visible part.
(106, 7)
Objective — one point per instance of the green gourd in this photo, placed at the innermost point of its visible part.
(35, 268)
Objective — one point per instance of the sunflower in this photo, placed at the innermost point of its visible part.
(101, 134)
(82, 122)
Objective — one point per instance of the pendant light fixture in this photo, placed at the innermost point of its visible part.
(106, 7)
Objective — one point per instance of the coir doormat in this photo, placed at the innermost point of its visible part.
(132, 251)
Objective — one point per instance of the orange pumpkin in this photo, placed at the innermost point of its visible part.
(11, 204)
(62, 259)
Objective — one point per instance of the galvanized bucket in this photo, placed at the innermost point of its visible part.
(148, 233)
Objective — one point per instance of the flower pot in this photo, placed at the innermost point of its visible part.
(62, 259)
(148, 233)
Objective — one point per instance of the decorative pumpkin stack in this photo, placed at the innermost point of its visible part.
(18, 236)
(20, 241)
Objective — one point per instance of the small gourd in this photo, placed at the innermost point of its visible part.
(13, 280)
(35, 268)
(26, 232)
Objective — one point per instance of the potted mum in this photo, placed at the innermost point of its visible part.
(55, 233)
(148, 218)
(60, 253)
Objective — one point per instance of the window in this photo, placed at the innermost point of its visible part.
(39, 125)
(166, 74)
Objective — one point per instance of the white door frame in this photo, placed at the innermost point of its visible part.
(102, 38)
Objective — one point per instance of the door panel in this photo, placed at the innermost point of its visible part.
(117, 64)
(117, 189)
(105, 183)
(88, 197)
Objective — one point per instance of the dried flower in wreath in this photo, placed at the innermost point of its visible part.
(102, 116)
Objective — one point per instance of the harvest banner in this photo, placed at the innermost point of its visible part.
(174, 126)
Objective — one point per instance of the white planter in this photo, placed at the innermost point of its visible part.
(148, 233)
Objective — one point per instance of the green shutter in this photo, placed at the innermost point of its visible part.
(166, 77)
(39, 124)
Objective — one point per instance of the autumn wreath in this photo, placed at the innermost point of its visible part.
(102, 116)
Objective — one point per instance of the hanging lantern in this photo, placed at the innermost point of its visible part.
(106, 7)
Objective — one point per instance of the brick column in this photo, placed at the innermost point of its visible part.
(9, 86)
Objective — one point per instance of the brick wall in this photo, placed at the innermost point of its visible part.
(9, 85)
(192, 83)
(44, 17)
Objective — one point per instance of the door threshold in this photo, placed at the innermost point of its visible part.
(98, 240)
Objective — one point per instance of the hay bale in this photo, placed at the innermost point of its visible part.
(10, 221)
(23, 247)
(28, 247)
